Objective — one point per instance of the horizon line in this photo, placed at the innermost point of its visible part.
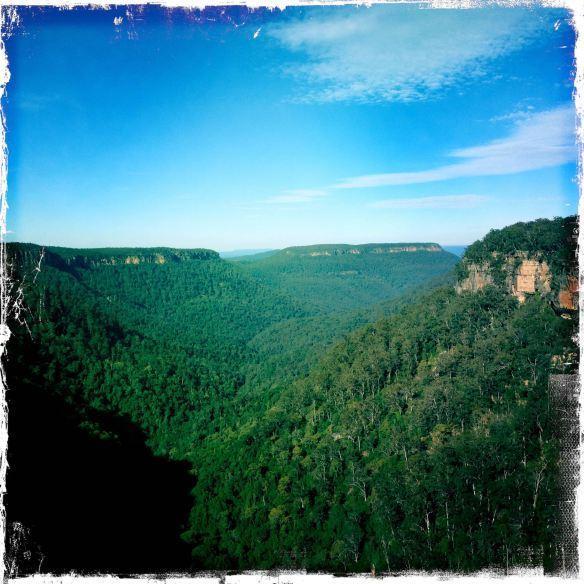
(232, 250)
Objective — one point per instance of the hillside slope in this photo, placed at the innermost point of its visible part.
(339, 277)
(164, 340)
(423, 441)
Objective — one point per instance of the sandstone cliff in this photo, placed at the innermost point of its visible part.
(368, 248)
(523, 276)
(551, 271)
(28, 256)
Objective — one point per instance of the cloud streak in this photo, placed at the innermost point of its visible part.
(376, 55)
(436, 202)
(540, 140)
(296, 196)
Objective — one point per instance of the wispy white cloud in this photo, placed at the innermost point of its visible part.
(540, 140)
(380, 54)
(436, 202)
(37, 102)
(297, 196)
(515, 116)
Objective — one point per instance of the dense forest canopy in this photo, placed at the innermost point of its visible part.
(337, 410)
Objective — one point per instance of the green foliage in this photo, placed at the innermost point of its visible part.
(84, 257)
(420, 442)
(316, 439)
(333, 278)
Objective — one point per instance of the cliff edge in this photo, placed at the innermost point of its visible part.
(539, 257)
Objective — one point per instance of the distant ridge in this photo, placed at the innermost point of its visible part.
(256, 256)
(334, 249)
(339, 249)
(238, 253)
(92, 257)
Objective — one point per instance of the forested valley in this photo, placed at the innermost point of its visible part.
(346, 408)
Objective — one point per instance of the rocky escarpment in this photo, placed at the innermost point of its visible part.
(568, 296)
(29, 256)
(478, 276)
(369, 248)
(521, 276)
(135, 257)
(551, 271)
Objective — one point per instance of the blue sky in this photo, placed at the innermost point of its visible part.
(231, 128)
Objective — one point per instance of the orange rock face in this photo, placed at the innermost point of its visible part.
(568, 297)
(532, 276)
(478, 277)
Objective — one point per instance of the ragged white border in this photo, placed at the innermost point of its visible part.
(9, 19)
